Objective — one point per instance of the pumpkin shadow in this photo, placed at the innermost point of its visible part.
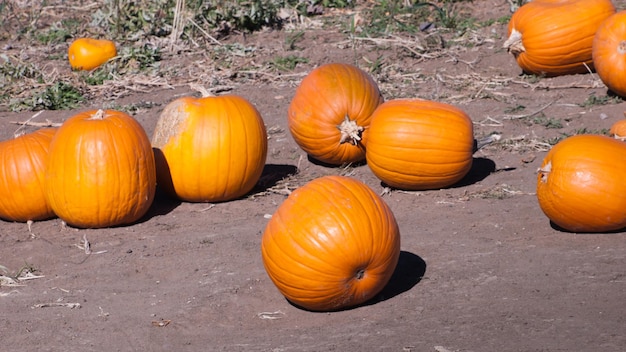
(271, 175)
(314, 161)
(408, 272)
(481, 168)
(564, 230)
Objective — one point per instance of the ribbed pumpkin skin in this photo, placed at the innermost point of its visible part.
(210, 149)
(557, 35)
(100, 170)
(22, 166)
(419, 144)
(332, 244)
(580, 185)
(323, 100)
(609, 52)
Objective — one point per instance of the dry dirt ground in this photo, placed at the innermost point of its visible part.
(481, 267)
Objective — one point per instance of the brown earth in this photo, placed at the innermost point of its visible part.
(481, 267)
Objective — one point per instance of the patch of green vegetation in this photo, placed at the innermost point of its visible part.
(288, 63)
(139, 58)
(515, 109)
(59, 96)
(547, 122)
(291, 39)
(584, 130)
(593, 100)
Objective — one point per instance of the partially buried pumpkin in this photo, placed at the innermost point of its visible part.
(580, 185)
(554, 37)
(22, 167)
(209, 149)
(100, 170)
(420, 144)
(332, 244)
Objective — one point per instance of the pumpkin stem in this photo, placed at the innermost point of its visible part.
(544, 171)
(202, 89)
(99, 115)
(514, 43)
(479, 144)
(360, 274)
(621, 47)
(350, 131)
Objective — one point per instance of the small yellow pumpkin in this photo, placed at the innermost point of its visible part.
(89, 53)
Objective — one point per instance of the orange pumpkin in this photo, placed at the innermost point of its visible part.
(209, 149)
(22, 165)
(609, 52)
(419, 144)
(100, 170)
(580, 185)
(554, 37)
(330, 112)
(89, 53)
(332, 244)
(618, 130)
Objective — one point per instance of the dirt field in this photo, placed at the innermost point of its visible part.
(481, 267)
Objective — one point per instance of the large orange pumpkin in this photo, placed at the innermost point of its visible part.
(89, 53)
(209, 149)
(554, 37)
(22, 166)
(419, 144)
(332, 244)
(100, 170)
(609, 52)
(580, 185)
(330, 112)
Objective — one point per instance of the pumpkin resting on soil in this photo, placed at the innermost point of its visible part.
(22, 166)
(209, 149)
(100, 170)
(330, 113)
(580, 185)
(332, 244)
(554, 37)
(419, 144)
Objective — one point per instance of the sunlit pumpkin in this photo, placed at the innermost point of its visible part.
(330, 112)
(22, 166)
(209, 149)
(100, 170)
(609, 52)
(580, 185)
(554, 37)
(332, 244)
(419, 144)
(89, 53)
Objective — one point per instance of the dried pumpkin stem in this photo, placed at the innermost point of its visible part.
(544, 171)
(514, 43)
(350, 131)
(202, 89)
(99, 115)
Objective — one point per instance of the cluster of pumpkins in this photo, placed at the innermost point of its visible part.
(100, 169)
